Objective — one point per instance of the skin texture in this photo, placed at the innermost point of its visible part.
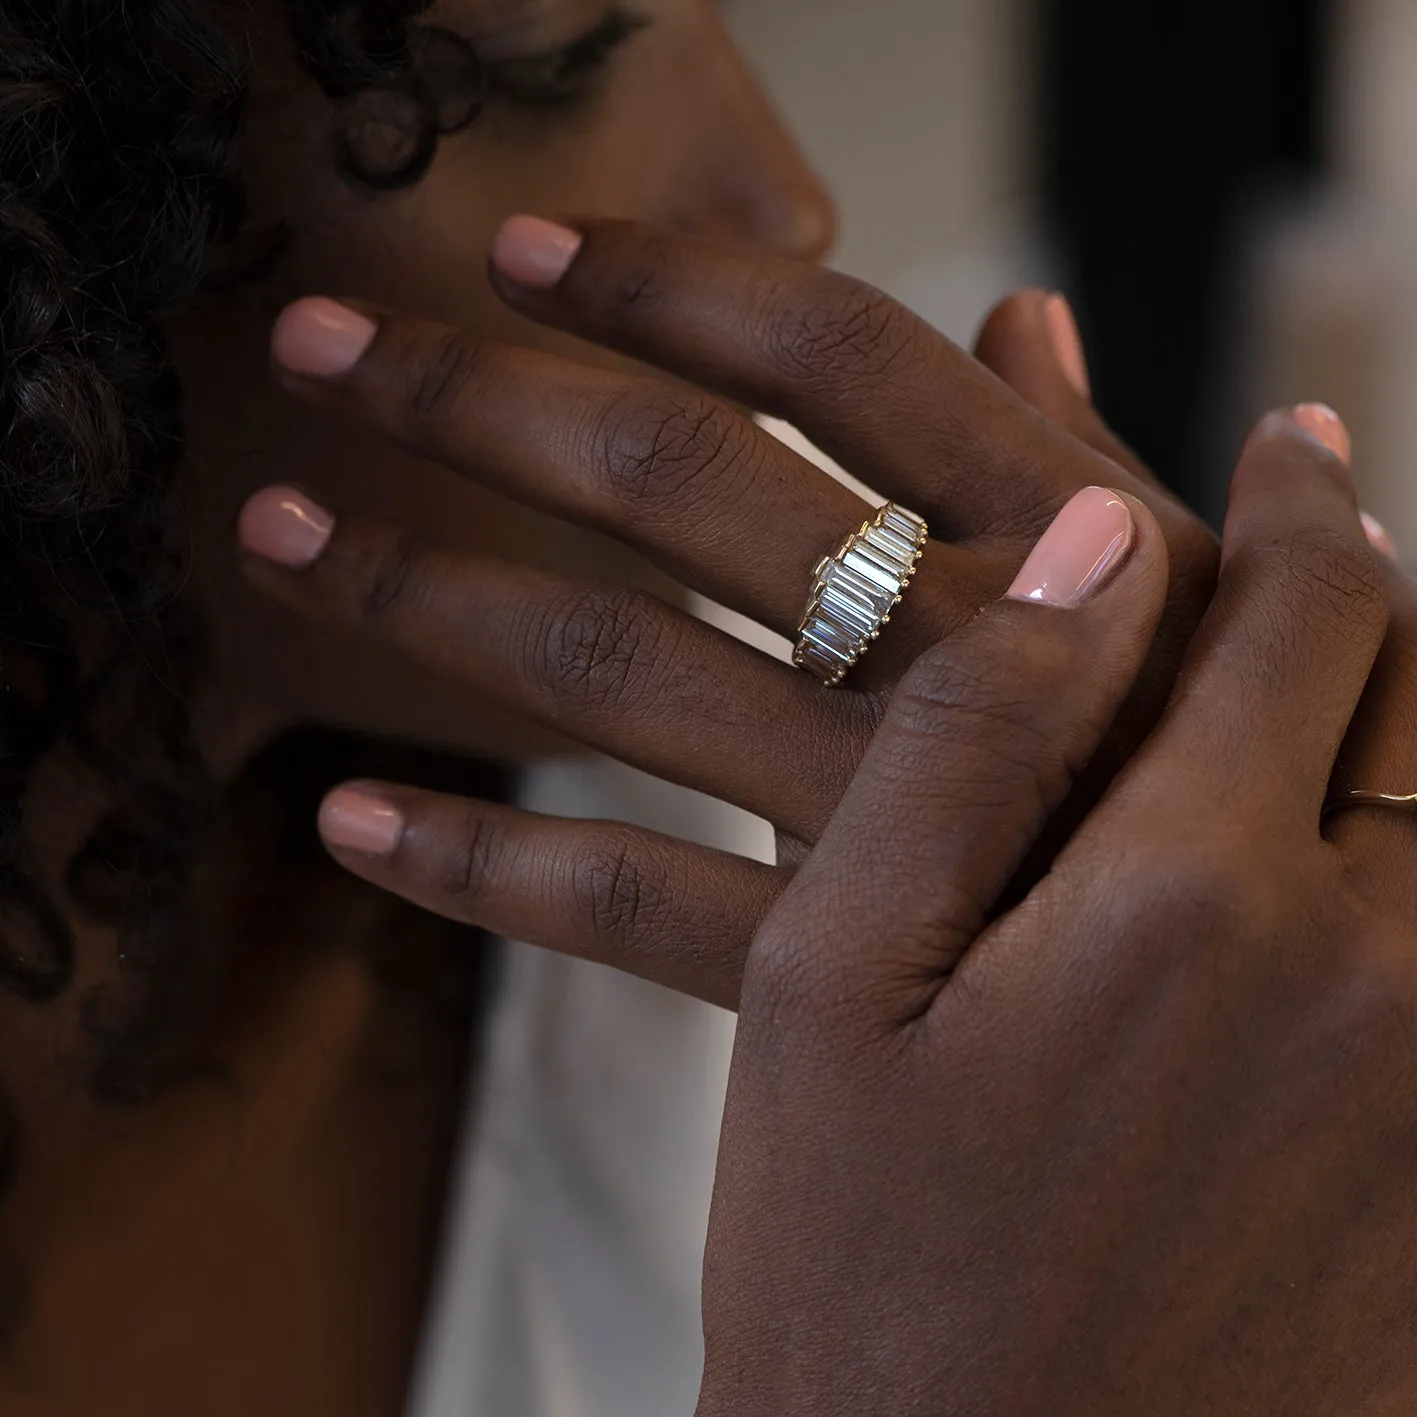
(278, 1180)
(259, 1240)
(694, 487)
(674, 131)
(1145, 1141)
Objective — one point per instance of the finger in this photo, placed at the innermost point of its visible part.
(720, 504)
(1380, 752)
(1032, 342)
(981, 745)
(874, 386)
(670, 912)
(613, 668)
(1281, 659)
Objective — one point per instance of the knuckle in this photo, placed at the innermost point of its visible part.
(995, 691)
(860, 332)
(598, 651)
(1341, 575)
(785, 981)
(1199, 900)
(1377, 995)
(467, 866)
(1330, 577)
(642, 285)
(392, 579)
(611, 889)
(656, 449)
(815, 1005)
(440, 378)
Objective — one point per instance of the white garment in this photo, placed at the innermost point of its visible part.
(570, 1271)
(571, 1264)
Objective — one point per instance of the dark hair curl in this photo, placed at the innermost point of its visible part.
(119, 194)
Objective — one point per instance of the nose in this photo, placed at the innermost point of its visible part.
(756, 185)
(786, 207)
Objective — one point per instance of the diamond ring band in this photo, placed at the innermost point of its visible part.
(855, 591)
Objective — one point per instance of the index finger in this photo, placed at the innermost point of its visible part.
(874, 385)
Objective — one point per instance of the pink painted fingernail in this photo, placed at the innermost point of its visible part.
(1378, 537)
(1083, 549)
(284, 526)
(321, 338)
(1067, 342)
(1319, 421)
(354, 819)
(535, 252)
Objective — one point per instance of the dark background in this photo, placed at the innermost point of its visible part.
(1161, 120)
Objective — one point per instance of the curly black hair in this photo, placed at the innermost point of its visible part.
(119, 198)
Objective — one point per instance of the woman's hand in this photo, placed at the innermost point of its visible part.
(1146, 1141)
(728, 510)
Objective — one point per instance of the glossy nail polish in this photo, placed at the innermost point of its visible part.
(282, 525)
(321, 338)
(354, 819)
(535, 252)
(1083, 549)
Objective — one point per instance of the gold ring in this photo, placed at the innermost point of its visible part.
(1359, 797)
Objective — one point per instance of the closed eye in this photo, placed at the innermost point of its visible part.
(562, 77)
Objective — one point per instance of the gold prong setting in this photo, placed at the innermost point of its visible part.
(855, 591)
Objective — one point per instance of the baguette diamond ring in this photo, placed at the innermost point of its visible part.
(855, 591)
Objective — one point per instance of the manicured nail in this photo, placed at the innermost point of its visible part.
(1083, 549)
(356, 820)
(535, 252)
(321, 338)
(1319, 421)
(1378, 537)
(284, 526)
(1066, 339)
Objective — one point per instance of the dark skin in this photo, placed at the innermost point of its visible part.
(260, 1238)
(698, 490)
(1144, 1143)
(1137, 1136)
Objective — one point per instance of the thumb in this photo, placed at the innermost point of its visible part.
(982, 743)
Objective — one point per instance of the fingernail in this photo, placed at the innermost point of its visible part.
(356, 820)
(1378, 537)
(1066, 339)
(321, 338)
(1083, 549)
(284, 526)
(1319, 421)
(535, 252)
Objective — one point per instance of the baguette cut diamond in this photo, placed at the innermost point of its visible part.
(855, 591)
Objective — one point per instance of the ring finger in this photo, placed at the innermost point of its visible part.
(613, 668)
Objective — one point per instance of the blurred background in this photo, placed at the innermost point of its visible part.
(1222, 187)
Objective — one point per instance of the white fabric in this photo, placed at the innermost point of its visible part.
(569, 1278)
(569, 1282)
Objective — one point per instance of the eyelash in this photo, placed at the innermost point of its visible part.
(565, 76)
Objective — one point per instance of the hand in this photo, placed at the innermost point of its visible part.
(694, 485)
(1145, 1142)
